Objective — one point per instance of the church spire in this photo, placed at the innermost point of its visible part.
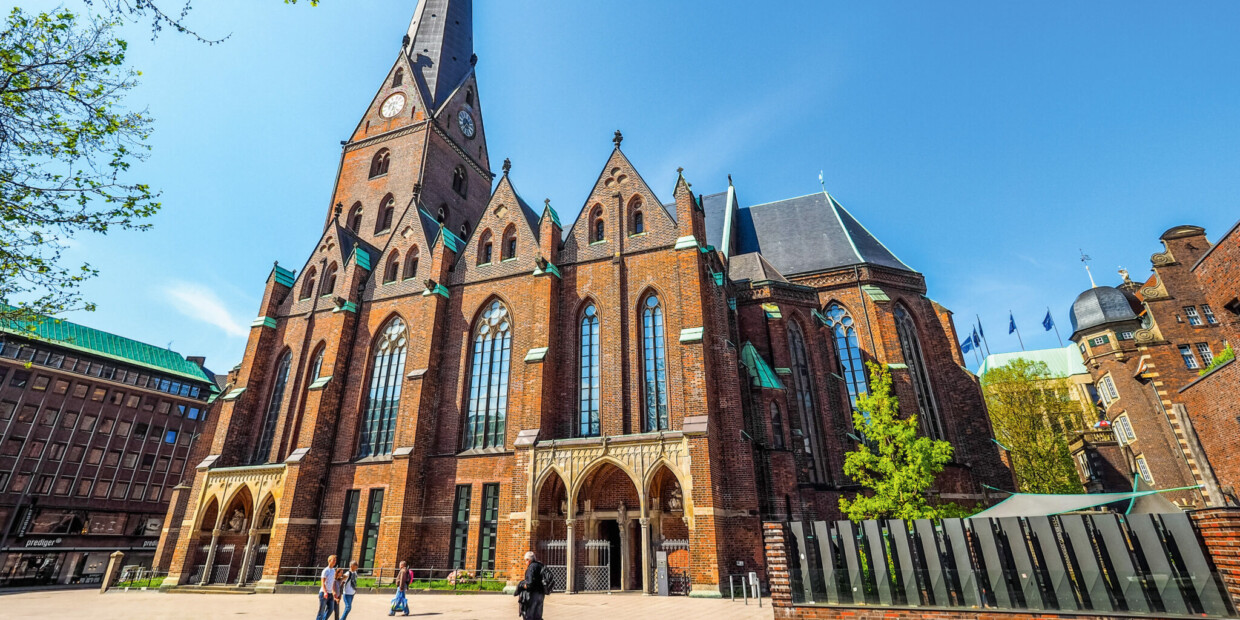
(441, 46)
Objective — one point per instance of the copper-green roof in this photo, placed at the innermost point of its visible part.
(1063, 362)
(100, 343)
(761, 373)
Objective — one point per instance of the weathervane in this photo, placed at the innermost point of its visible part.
(1085, 259)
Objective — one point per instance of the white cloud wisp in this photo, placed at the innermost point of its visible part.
(202, 304)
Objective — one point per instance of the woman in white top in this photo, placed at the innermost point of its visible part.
(350, 588)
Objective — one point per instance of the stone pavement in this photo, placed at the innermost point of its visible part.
(153, 605)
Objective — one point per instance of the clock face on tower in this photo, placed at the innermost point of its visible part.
(393, 106)
(466, 122)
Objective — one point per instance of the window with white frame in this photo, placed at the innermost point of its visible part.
(1193, 317)
(1099, 341)
(1205, 309)
(1107, 390)
(1207, 356)
(1119, 433)
(1190, 360)
(1144, 468)
(1083, 459)
(1125, 336)
(1125, 426)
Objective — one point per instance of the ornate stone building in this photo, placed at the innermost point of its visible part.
(1151, 347)
(454, 377)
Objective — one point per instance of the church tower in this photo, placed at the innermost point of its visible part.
(421, 141)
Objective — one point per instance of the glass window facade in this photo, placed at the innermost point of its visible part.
(262, 451)
(488, 379)
(383, 399)
(654, 354)
(588, 423)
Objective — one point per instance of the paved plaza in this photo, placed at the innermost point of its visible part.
(153, 605)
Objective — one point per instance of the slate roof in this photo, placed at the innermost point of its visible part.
(1101, 305)
(754, 268)
(799, 235)
(442, 32)
(103, 344)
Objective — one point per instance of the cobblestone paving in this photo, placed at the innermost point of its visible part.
(143, 605)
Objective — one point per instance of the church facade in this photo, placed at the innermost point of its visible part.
(455, 377)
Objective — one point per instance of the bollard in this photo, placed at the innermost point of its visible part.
(114, 565)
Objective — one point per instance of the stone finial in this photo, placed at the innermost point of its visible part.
(338, 209)
(417, 190)
(729, 180)
(507, 166)
(547, 202)
(405, 41)
(473, 60)
(619, 137)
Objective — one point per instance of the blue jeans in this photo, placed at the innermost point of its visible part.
(348, 604)
(327, 604)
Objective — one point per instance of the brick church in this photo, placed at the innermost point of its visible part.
(455, 376)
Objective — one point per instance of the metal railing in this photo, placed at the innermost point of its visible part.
(134, 578)
(1142, 564)
(385, 578)
(748, 587)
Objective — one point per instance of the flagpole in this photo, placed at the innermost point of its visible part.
(1017, 330)
(1056, 326)
(983, 333)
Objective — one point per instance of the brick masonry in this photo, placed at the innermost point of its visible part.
(728, 471)
(1185, 425)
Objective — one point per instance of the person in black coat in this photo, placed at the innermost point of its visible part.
(532, 590)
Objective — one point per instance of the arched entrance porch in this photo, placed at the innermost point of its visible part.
(607, 509)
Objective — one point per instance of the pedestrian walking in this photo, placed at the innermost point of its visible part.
(339, 588)
(349, 589)
(401, 602)
(532, 590)
(327, 589)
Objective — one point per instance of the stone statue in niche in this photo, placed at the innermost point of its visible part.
(675, 502)
(623, 512)
(564, 506)
(236, 524)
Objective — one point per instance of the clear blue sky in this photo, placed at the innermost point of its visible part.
(984, 142)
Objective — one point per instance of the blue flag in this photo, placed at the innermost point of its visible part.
(979, 327)
(1011, 323)
(967, 345)
(1048, 322)
(977, 342)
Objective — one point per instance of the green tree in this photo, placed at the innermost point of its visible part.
(893, 461)
(1032, 415)
(67, 146)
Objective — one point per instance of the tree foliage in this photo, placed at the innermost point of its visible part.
(1032, 415)
(894, 461)
(66, 147)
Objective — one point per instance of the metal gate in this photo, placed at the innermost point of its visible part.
(555, 562)
(678, 581)
(594, 566)
(260, 558)
(223, 564)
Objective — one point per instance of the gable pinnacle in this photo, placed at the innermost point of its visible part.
(507, 166)
(618, 138)
(337, 209)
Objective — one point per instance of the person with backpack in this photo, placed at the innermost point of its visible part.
(401, 602)
(349, 588)
(533, 589)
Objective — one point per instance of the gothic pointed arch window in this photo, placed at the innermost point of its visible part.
(487, 415)
(411, 264)
(464, 230)
(387, 213)
(441, 215)
(262, 450)
(637, 219)
(805, 401)
(379, 164)
(910, 346)
(777, 426)
(654, 357)
(307, 287)
(392, 270)
(588, 416)
(316, 367)
(354, 221)
(469, 97)
(460, 182)
(399, 78)
(598, 227)
(485, 248)
(329, 280)
(509, 247)
(383, 398)
(847, 351)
